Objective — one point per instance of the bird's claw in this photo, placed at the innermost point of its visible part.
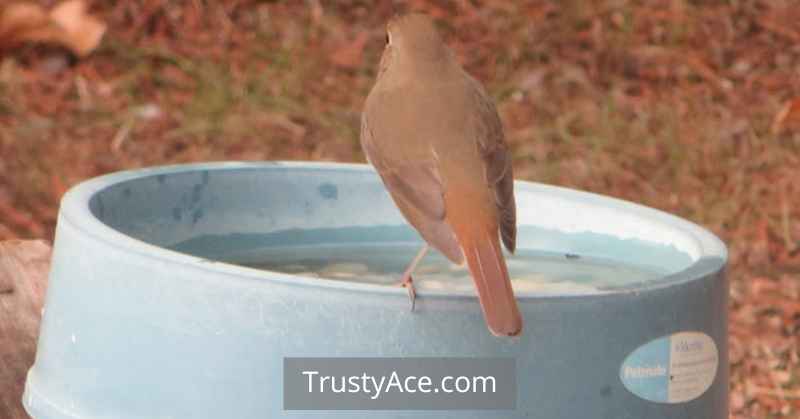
(408, 284)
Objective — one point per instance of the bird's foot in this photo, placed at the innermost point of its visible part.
(408, 283)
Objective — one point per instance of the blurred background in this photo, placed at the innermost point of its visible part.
(692, 107)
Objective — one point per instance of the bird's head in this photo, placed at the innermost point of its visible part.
(412, 42)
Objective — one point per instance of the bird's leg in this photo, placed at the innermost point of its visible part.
(406, 281)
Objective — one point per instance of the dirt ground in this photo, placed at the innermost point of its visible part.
(690, 107)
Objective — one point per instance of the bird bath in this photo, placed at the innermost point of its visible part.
(177, 292)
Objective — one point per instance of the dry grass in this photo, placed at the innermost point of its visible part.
(667, 103)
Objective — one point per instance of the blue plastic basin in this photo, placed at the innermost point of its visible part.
(135, 329)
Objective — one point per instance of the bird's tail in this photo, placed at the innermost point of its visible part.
(488, 267)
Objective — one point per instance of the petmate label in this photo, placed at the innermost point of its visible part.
(671, 369)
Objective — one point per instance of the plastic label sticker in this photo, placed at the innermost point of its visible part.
(671, 369)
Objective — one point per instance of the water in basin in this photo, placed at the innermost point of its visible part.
(382, 262)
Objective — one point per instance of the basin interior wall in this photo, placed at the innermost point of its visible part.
(212, 214)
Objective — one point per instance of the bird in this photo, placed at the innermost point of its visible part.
(433, 134)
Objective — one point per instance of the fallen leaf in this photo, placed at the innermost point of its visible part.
(83, 32)
(761, 285)
(67, 24)
(18, 20)
(285, 123)
(787, 118)
(349, 54)
(22, 219)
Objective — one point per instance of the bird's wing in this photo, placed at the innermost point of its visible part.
(497, 161)
(416, 188)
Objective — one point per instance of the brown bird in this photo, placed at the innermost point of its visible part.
(434, 136)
